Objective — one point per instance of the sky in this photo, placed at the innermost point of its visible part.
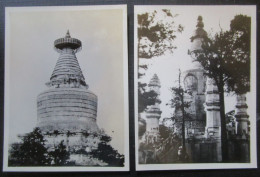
(166, 66)
(32, 58)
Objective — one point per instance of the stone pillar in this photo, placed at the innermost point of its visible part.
(213, 122)
(153, 112)
(242, 141)
(241, 115)
(153, 115)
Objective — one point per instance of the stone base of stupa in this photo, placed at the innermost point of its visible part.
(67, 109)
(74, 141)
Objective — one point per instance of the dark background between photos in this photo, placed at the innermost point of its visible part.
(130, 15)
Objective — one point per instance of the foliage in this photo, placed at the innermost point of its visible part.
(105, 139)
(60, 155)
(156, 33)
(107, 154)
(240, 38)
(164, 132)
(145, 98)
(31, 152)
(180, 105)
(178, 102)
(141, 127)
(56, 132)
(230, 117)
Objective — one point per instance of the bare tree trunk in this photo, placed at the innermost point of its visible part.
(183, 125)
(181, 94)
(223, 122)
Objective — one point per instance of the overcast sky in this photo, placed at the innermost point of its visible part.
(32, 59)
(167, 66)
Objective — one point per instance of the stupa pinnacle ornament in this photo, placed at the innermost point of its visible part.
(198, 37)
(199, 34)
(67, 105)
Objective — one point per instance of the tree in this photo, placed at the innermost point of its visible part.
(226, 59)
(164, 132)
(179, 104)
(240, 32)
(60, 155)
(142, 127)
(107, 154)
(156, 35)
(31, 152)
(145, 98)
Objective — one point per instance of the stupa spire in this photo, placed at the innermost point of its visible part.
(199, 33)
(200, 23)
(68, 34)
(198, 37)
(67, 72)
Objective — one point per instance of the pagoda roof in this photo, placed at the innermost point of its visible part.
(155, 81)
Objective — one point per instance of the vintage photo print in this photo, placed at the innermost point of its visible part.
(66, 89)
(195, 87)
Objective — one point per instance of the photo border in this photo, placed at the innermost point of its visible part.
(253, 127)
(6, 168)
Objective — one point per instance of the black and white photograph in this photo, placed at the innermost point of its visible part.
(195, 87)
(66, 89)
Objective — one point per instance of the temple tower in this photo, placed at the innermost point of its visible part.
(195, 83)
(153, 112)
(205, 106)
(67, 105)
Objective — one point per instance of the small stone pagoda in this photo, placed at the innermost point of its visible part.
(153, 112)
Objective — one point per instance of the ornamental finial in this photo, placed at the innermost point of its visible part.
(67, 34)
(200, 23)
